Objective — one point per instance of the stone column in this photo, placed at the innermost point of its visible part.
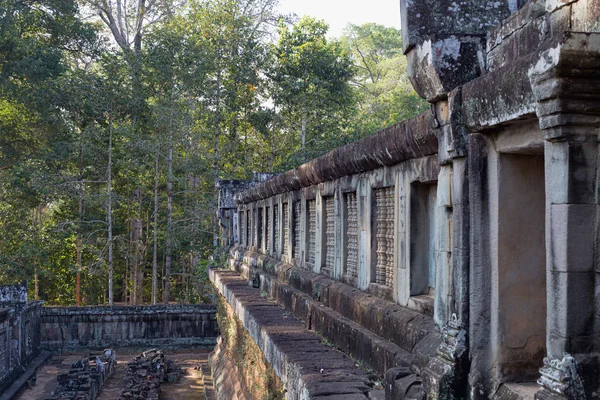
(566, 84)
(364, 194)
(251, 228)
(279, 244)
(319, 234)
(290, 226)
(446, 374)
(337, 273)
(402, 240)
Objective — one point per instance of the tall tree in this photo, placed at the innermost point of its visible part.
(384, 93)
(311, 78)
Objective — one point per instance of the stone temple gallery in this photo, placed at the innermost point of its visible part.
(455, 255)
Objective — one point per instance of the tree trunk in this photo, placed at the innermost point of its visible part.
(80, 214)
(79, 252)
(137, 272)
(303, 137)
(216, 163)
(168, 247)
(109, 211)
(155, 249)
(36, 284)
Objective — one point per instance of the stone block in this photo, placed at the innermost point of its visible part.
(572, 237)
(585, 16)
(571, 324)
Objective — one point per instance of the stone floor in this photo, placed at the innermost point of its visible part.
(189, 387)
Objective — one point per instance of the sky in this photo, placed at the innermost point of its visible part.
(339, 13)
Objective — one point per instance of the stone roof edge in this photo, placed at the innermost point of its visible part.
(413, 138)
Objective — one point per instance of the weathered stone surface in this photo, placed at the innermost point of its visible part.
(410, 330)
(13, 293)
(19, 333)
(68, 328)
(414, 138)
(146, 373)
(512, 197)
(87, 376)
(307, 367)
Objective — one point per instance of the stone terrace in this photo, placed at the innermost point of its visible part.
(453, 253)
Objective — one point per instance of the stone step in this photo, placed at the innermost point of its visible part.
(307, 366)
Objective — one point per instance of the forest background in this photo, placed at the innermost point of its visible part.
(117, 117)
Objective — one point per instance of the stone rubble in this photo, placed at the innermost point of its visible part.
(85, 379)
(145, 375)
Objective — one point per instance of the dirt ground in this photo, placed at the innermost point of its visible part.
(189, 386)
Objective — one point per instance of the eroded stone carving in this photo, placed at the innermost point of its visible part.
(312, 230)
(385, 235)
(329, 233)
(560, 376)
(454, 340)
(297, 238)
(276, 227)
(352, 236)
(286, 229)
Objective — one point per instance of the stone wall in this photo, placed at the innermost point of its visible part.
(98, 327)
(482, 214)
(240, 369)
(19, 332)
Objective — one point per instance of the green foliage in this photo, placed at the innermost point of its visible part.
(227, 86)
(385, 94)
(311, 85)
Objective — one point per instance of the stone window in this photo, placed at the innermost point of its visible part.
(286, 229)
(268, 231)
(311, 206)
(384, 236)
(329, 207)
(422, 231)
(351, 251)
(259, 229)
(297, 238)
(276, 227)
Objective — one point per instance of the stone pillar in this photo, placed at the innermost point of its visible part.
(263, 230)
(319, 234)
(272, 250)
(279, 244)
(443, 247)
(446, 374)
(566, 84)
(337, 273)
(402, 240)
(251, 228)
(364, 194)
(303, 231)
(290, 227)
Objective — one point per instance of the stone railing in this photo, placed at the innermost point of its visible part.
(97, 327)
(358, 212)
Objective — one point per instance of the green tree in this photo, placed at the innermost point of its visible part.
(385, 94)
(311, 83)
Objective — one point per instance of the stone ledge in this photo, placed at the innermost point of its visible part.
(308, 368)
(30, 373)
(410, 139)
(131, 310)
(345, 335)
(411, 331)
